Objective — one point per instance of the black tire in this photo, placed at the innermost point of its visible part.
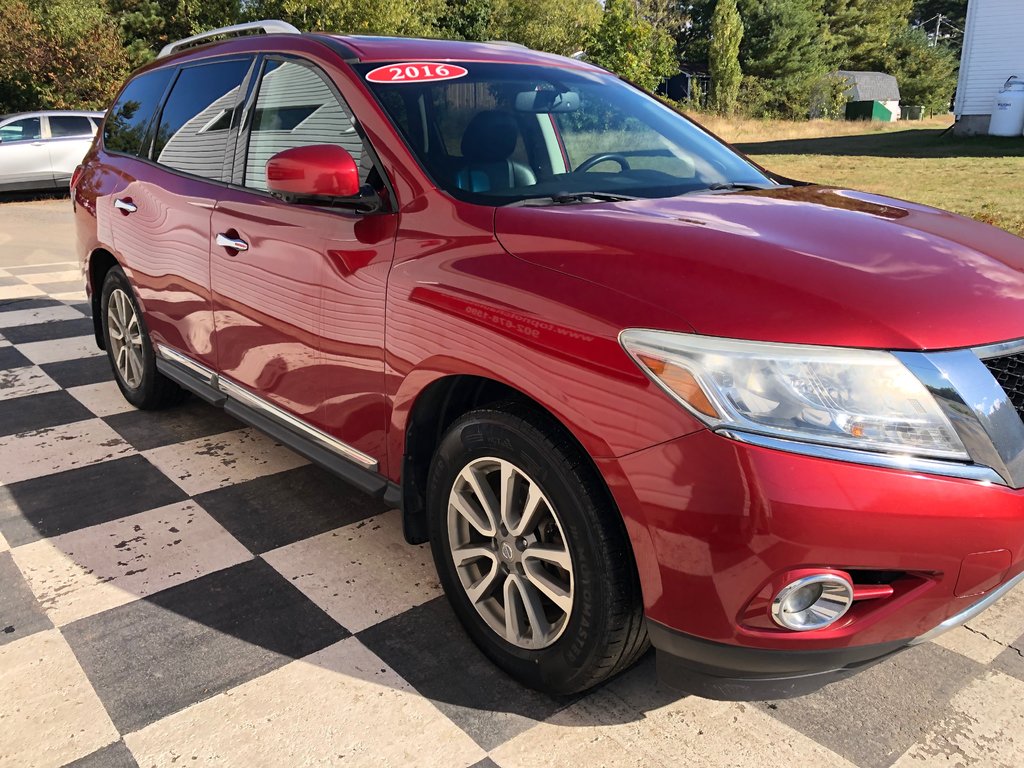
(604, 633)
(154, 390)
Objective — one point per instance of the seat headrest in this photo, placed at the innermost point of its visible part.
(490, 137)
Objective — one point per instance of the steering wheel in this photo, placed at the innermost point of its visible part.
(590, 162)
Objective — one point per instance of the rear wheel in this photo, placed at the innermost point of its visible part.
(129, 349)
(531, 551)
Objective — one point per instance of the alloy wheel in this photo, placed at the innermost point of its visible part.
(124, 335)
(510, 553)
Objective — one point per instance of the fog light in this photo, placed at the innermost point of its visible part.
(812, 602)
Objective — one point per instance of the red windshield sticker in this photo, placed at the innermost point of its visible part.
(416, 72)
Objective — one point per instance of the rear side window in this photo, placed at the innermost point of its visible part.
(195, 122)
(133, 111)
(297, 108)
(26, 129)
(69, 125)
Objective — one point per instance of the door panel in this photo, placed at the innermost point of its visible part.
(163, 232)
(300, 313)
(267, 298)
(65, 155)
(23, 154)
(165, 246)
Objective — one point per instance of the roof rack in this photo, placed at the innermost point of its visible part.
(267, 27)
(509, 43)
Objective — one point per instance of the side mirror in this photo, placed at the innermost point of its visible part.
(323, 173)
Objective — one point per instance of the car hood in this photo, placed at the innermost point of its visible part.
(803, 264)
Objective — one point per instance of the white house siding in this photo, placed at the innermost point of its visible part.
(993, 51)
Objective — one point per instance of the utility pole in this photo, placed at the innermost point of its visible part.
(938, 29)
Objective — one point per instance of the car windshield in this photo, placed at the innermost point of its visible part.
(497, 134)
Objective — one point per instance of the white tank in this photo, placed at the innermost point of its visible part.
(1008, 112)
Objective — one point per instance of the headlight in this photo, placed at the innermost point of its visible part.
(852, 398)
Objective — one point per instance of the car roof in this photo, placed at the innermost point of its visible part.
(369, 48)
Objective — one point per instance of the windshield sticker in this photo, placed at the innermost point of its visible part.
(416, 72)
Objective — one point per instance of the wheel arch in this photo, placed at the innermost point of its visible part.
(101, 261)
(435, 408)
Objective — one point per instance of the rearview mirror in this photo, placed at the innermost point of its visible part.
(318, 172)
(547, 101)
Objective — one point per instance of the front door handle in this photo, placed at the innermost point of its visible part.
(234, 243)
(126, 205)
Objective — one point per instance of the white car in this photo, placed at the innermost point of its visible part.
(40, 150)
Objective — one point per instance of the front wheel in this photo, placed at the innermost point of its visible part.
(531, 551)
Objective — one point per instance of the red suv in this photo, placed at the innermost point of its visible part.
(629, 385)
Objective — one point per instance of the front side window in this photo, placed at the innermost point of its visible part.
(504, 133)
(26, 129)
(295, 107)
(129, 118)
(62, 126)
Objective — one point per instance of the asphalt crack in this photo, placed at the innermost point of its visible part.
(992, 639)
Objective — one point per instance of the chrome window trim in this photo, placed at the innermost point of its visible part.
(242, 395)
(898, 461)
(970, 612)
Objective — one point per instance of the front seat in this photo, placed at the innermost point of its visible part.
(487, 144)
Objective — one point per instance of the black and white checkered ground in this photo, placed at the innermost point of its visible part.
(178, 589)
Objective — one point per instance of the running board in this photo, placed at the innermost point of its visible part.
(337, 457)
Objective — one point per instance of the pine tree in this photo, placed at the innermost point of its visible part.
(724, 55)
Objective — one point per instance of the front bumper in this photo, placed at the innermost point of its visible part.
(713, 522)
(735, 673)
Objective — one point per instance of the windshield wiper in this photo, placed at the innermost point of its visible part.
(738, 186)
(568, 198)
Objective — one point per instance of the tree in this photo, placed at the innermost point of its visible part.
(693, 39)
(953, 23)
(354, 17)
(926, 73)
(783, 47)
(558, 26)
(466, 19)
(724, 55)
(629, 45)
(860, 31)
(59, 54)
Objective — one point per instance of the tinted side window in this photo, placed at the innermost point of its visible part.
(69, 125)
(296, 108)
(194, 125)
(131, 114)
(26, 129)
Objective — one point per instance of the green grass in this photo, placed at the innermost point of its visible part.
(981, 177)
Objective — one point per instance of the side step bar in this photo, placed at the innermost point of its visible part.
(341, 459)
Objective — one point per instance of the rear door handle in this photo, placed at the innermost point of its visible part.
(126, 205)
(234, 243)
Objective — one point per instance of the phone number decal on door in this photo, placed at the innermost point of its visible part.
(416, 72)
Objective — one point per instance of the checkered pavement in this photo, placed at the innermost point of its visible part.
(178, 589)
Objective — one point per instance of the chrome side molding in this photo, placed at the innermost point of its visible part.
(241, 395)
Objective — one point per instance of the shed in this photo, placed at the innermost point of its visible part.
(868, 87)
(992, 54)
